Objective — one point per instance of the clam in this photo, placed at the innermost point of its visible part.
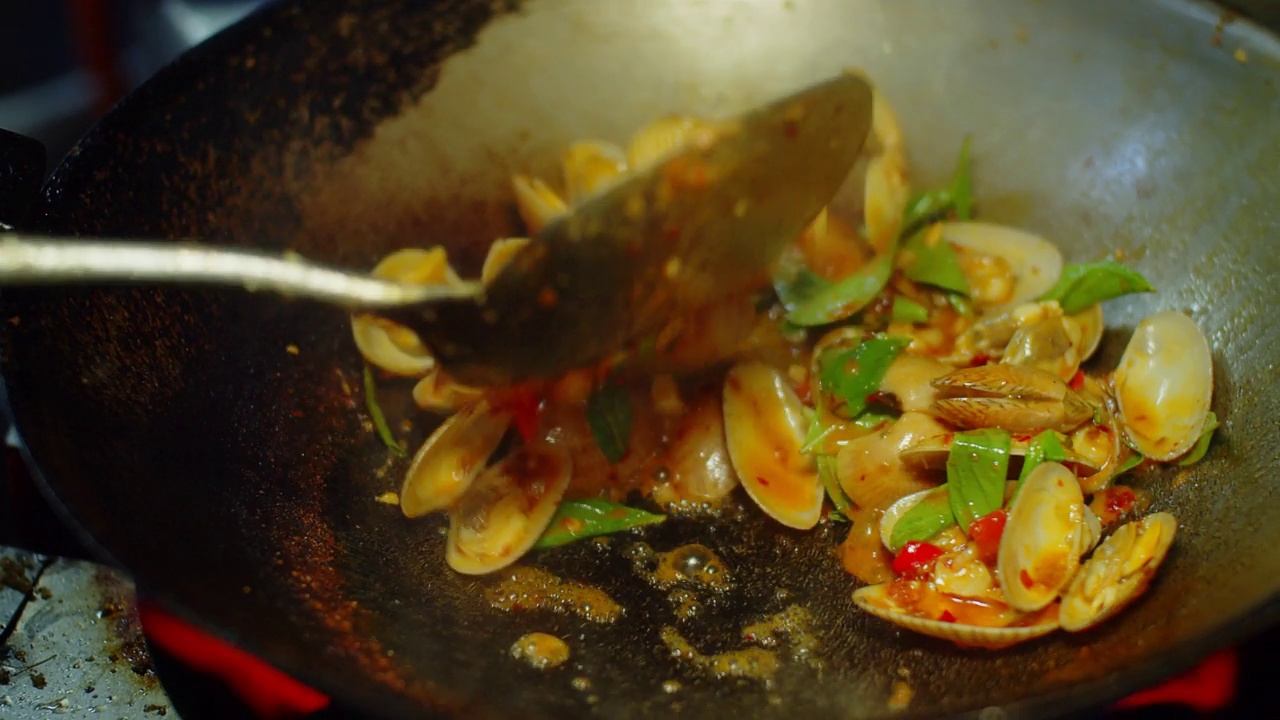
(1046, 345)
(909, 380)
(1087, 327)
(887, 188)
(961, 573)
(917, 607)
(1041, 545)
(931, 453)
(1164, 384)
(536, 202)
(1017, 398)
(500, 253)
(991, 333)
(438, 393)
(764, 431)
(390, 346)
(870, 468)
(1118, 572)
(449, 461)
(1036, 263)
(697, 458)
(589, 166)
(507, 508)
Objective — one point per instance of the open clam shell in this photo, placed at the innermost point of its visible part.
(590, 166)
(390, 346)
(1007, 627)
(871, 470)
(449, 461)
(507, 508)
(1036, 263)
(1164, 385)
(764, 431)
(1118, 572)
(1041, 545)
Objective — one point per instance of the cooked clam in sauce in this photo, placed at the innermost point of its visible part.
(917, 373)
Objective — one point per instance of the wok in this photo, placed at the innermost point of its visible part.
(235, 480)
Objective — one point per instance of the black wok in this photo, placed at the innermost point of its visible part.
(235, 480)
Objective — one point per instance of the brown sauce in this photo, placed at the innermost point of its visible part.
(540, 650)
(861, 553)
(528, 588)
(687, 565)
(750, 663)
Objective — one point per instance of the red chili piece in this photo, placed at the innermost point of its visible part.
(946, 616)
(986, 532)
(1077, 380)
(916, 559)
(1120, 500)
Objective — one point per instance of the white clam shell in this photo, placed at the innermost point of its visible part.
(1041, 545)
(449, 461)
(390, 346)
(697, 456)
(1118, 572)
(590, 166)
(764, 431)
(1164, 385)
(871, 470)
(507, 508)
(878, 600)
(1036, 262)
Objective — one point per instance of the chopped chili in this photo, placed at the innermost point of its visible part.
(916, 559)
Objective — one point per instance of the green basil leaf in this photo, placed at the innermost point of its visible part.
(935, 265)
(799, 287)
(853, 374)
(961, 304)
(923, 208)
(1082, 285)
(906, 310)
(831, 481)
(577, 519)
(839, 300)
(1134, 461)
(817, 435)
(925, 519)
(1045, 447)
(872, 419)
(375, 412)
(976, 471)
(609, 415)
(1202, 445)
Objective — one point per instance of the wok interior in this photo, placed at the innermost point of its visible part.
(236, 478)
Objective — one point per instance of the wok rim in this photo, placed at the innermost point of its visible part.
(1071, 698)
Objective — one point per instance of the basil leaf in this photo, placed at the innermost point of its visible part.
(976, 470)
(934, 264)
(831, 481)
(1134, 461)
(799, 288)
(577, 519)
(855, 373)
(1045, 447)
(609, 415)
(906, 310)
(839, 300)
(1082, 285)
(872, 419)
(961, 304)
(1202, 445)
(925, 519)
(375, 412)
(928, 206)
